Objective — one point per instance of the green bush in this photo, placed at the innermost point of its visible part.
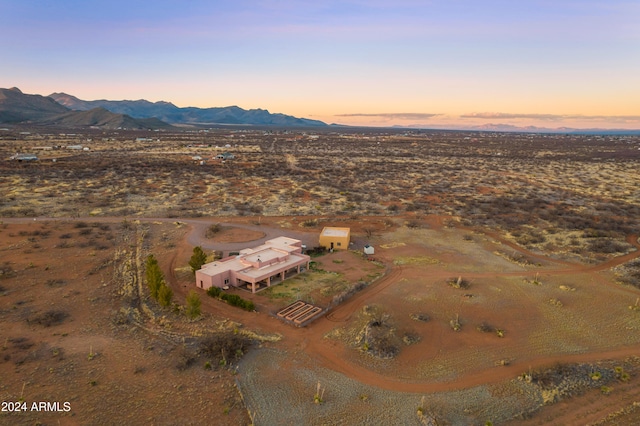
(232, 299)
(214, 291)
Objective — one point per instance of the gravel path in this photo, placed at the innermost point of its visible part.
(278, 388)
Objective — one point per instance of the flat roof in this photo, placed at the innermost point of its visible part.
(264, 255)
(266, 271)
(280, 247)
(335, 232)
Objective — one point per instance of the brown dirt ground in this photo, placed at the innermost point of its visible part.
(131, 378)
(593, 323)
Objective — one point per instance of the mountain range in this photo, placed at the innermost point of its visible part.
(168, 112)
(61, 109)
(17, 107)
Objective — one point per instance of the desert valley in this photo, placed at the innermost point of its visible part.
(504, 286)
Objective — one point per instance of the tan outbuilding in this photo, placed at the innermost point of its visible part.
(335, 238)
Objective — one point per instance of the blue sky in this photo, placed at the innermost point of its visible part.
(546, 63)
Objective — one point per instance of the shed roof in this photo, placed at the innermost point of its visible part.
(335, 232)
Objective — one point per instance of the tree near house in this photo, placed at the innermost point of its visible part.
(154, 275)
(158, 288)
(198, 258)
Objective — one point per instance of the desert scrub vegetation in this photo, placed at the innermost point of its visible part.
(485, 327)
(566, 380)
(224, 347)
(629, 273)
(7, 271)
(459, 283)
(49, 318)
(504, 181)
(377, 336)
(212, 230)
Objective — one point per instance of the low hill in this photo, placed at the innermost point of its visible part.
(100, 117)
(170, 113)
(17, 107)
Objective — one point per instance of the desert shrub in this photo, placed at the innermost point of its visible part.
(223, 345)
(420, 317)
(532, 237)
(212, 230)
(235, 300)
(232, 299)
(6, 271)
(606, 246)
(486, 328)
(459, 283)
(413, 224)
(455, 323)
(21, 343)
(184, 359)
(378, 335)
(631, 273)
(256, 209)
(310, 223)
(410, 338)
(316, 251)
(50, 318)
(55, 282)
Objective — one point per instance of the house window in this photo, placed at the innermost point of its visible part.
(226, 281)
(339, 244)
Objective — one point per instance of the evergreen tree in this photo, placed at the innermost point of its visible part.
(198, 259)
(165, 294)
(193, 305)
(154, 275)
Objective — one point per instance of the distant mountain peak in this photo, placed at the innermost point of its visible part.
(15, 89)
(168, 112)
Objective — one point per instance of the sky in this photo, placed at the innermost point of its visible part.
(429, 63)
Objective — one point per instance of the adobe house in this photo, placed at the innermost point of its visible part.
(335, 238)
(256, 267)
